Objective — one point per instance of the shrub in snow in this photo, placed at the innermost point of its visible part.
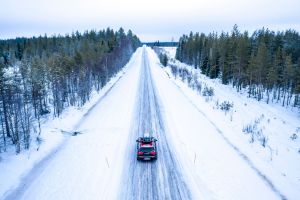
(163, 58)
(189, 79)
(174, 70)
(248, 128)
(226, 106)
(256, 133)
(198, 86)
(263, 140)
(44, 111)
(294, 136)
(39, 141)
(184, 73)
(208, 91)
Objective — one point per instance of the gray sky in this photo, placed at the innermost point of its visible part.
(149, 19)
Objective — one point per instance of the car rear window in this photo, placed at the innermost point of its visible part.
(147, 149)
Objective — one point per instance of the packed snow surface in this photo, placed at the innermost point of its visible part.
(202, 153)
(162, 178)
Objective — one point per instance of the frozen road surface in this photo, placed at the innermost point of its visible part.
(160, 179)
(101, 163)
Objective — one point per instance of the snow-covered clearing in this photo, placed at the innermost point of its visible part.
(279, 160)
(85, 157)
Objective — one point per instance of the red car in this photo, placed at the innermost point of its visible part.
(146, 148)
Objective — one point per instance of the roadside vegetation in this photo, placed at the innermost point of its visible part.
(43, 75)
(266, 63)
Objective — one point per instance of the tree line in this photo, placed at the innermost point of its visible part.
(266, 63)
(42, 75)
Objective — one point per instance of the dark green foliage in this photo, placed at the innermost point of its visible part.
(266, 63)
(163, 58)
(52, 73)
(161, 44)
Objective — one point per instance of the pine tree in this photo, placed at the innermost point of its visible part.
(242, 57)
(242, 60)
(271, 81)
(297, 84)
(262, 66)
(288, 74)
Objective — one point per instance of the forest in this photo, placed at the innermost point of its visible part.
(265, 64)
(40, 76)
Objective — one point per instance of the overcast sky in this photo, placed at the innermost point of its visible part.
(150, 19)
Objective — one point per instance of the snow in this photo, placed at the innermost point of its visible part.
(213, 153)
(278, 161)
(73, 150)
(171, 52)
(162, 178)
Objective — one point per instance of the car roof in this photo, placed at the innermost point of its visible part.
(150, 144)
(146, 141)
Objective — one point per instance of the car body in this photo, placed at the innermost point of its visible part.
(146, 148)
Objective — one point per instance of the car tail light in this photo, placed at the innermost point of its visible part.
(140, 153)
(153, 153)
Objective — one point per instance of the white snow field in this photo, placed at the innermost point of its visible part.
(279, 160)
(200, 153)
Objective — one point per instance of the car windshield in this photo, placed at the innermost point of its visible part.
(147, 139)
(147, 149)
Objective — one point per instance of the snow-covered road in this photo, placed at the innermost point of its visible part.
(194, 161)
(161, 179)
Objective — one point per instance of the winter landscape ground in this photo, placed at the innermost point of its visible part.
(203, 152)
